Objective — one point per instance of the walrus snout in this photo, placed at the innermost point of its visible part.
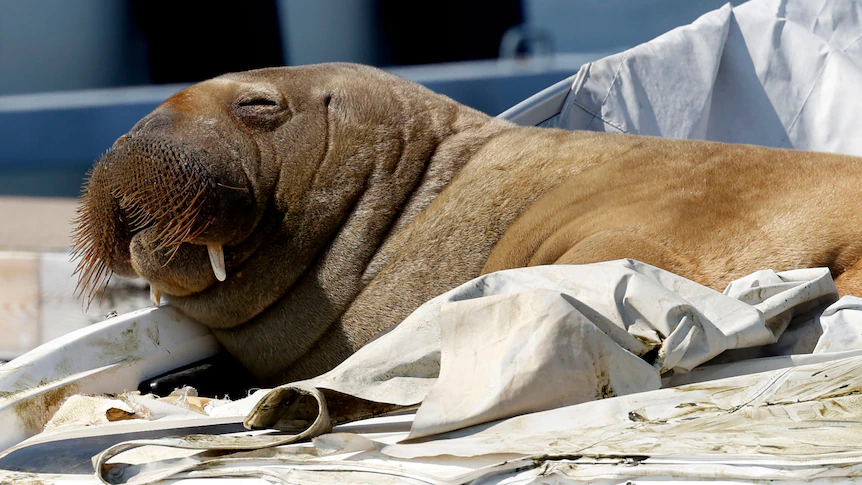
(151, 205)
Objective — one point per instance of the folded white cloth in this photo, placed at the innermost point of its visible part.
(530, 339)
(770, 72)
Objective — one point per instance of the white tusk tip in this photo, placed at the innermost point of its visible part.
(155, 296)
(216, 253)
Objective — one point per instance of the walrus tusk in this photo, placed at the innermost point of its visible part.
(217, 260)
(155, 296)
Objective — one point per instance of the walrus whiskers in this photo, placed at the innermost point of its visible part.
(91, 244)
(168, 196)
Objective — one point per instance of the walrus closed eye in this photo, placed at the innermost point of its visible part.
(300, 211)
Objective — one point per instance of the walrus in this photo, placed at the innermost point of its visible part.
(300, 211)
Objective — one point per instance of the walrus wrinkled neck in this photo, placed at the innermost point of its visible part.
(366, 242)
(471, 130)
(368, 239)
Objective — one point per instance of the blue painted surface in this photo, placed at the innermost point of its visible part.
(55, 137)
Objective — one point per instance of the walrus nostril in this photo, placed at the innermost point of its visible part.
(120, 142)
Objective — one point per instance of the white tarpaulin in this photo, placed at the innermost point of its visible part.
(531, 339)
(779, 73)
(540, 353)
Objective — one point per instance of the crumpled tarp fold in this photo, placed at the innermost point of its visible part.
(775, 73)
(531, 339)
(530, 352)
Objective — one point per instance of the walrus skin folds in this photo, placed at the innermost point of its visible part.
(337, 198)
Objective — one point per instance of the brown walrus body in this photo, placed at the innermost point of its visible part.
(344, 197)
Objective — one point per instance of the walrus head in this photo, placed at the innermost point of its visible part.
(192, 177)
(183, 175)
(201, 171)
(236, 188)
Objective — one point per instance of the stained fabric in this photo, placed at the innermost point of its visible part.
(571, 366)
